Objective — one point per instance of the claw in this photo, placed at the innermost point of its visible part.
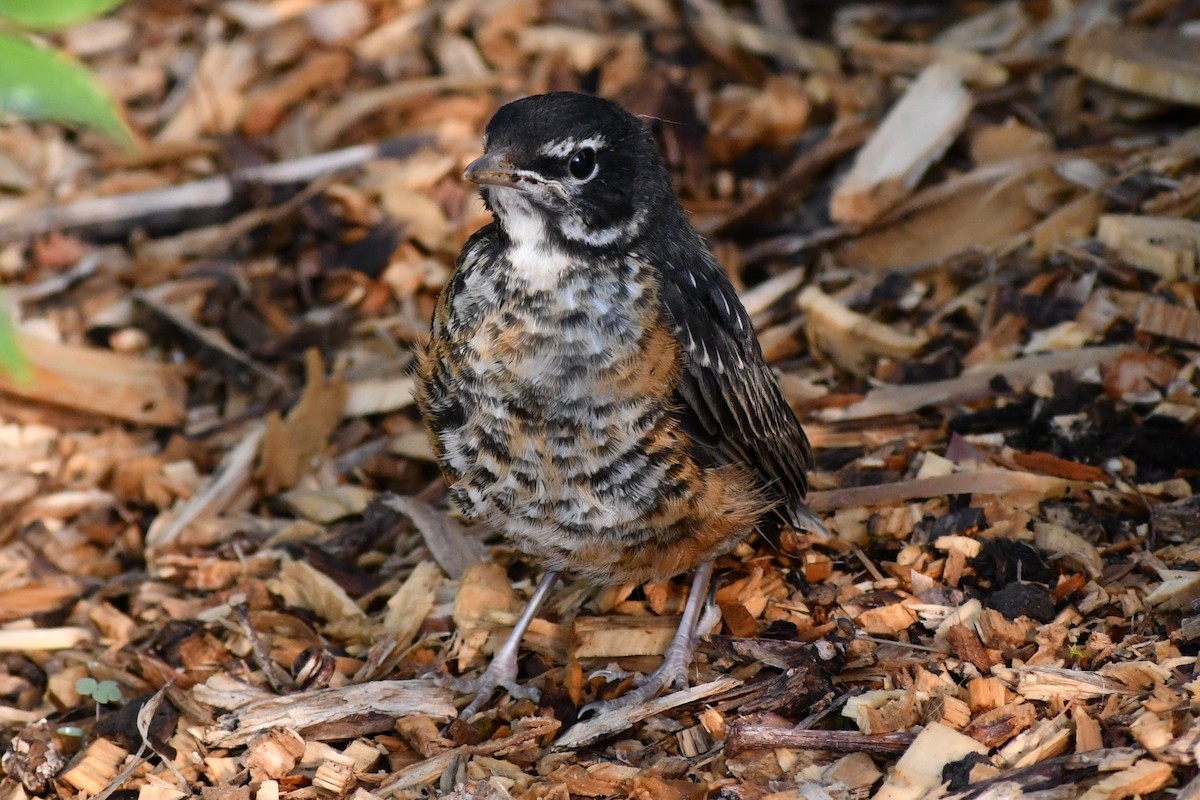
(610, 674)
(673, 671)
(502, 672)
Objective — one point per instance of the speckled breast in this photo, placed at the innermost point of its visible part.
(549, 408)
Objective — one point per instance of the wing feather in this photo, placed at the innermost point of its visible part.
(726, 388)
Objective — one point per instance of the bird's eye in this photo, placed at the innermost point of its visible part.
(583, 163)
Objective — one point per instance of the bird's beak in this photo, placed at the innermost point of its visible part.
(492, 169)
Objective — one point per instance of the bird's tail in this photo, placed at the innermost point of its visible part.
(805, 519)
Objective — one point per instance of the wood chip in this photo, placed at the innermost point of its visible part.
(914, 134)
(1166, 246)
(330, 714)
(1156, 63)
(919, 770)
(1175, 322)
(100, 382)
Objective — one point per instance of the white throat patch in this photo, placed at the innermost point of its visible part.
(535, 259)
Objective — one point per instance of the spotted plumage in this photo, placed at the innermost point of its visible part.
(593, 387)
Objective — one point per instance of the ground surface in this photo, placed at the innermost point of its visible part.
(964, 231)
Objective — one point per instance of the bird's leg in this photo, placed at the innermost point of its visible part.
(502, 672)
(674, 669)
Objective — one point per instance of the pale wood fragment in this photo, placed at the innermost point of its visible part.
(856, 771)
(1056, 683)
(972, 384)
(335, 774)
(337, 713)
(154, 790)
(850, 339)
(949, 711)
(1005, 634)
(96, 766)
(326, 505)
(693, 741)
(1179, 588)
(1164, 319)
(1045, 740)
(406, 612)
(1157, 63)
(1141, 779)
(915, 133)
(379, 396)
(94, 381)
(1087, 731)
(303, 586)
(485, 602)
(860, 707)
(231, 476)
(614, 636)
(1152, 732)
(1166, 246)
(987, 481)
(17, 640)
(919, 770)
(887, 620)
(1068, 545)
(274, 754)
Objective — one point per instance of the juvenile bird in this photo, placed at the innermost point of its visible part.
(593, 387)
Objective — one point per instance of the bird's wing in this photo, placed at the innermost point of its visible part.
(728, 395)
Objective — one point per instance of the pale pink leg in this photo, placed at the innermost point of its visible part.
(502, 672)
(674, 669)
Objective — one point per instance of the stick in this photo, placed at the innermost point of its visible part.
(192, 204)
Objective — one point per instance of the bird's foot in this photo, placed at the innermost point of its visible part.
(673, 672)
(674, 669)
(500, 674)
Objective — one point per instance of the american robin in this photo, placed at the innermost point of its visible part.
(593, 387)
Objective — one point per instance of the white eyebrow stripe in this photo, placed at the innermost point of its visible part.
(565, 147)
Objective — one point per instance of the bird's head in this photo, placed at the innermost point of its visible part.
(576, 168)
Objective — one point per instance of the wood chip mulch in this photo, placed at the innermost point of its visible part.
(966, 232)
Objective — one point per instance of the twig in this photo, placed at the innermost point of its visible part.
(742, 737)
(195, 203)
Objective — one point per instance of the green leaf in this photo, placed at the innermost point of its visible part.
(53, 14)
(12, 359)
(40, 84)
(107, 692)
(70, 730)
(86, 686)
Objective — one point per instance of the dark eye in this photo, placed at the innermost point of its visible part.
(583, 163)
